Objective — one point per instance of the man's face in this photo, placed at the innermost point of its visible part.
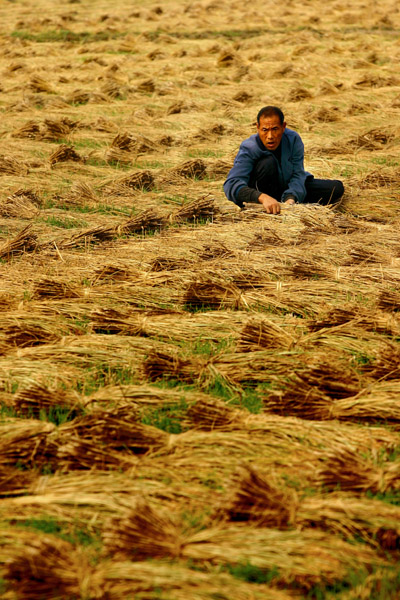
(271, 131)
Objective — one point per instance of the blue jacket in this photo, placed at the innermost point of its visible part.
(291, 170)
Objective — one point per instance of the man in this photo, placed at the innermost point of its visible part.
(269, 169)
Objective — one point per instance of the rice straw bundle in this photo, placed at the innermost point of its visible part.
(11, 166)
(306, 557)
(24, 241)
(30, 332)
(115, 431)
(33, 400)
(212, 292)
(389, 300)
(209, 414)
(77, 453)
(57, 129)
(202, 208)
(143, 577)
(64, 153)
(166, 365)
(18, 206)
(148, 220)
(122, 186)
(214, 251)
(82, 194)
(44, 566)
(166, 263)
(38, 84)
(14, 482)
(258, 498)
(347, 469)
(99, 233)
(31, 129)
(143, 533)
(55, 288)
(79, 96)
(28, 443)
(263, 334)
(191, 169)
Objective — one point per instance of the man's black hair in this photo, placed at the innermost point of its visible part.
(268, 111)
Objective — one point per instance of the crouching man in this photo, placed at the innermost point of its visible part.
(269, 169)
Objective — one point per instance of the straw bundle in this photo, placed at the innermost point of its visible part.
(30, 332)
(214, 293)
(208, 414)
(48, 287)
(18, 206)
(27, 443)
(77, 453)
(57, 129)
(142, 180)
(15, 482)
(24, 241)
(191, 169)
(11, 166)
(215, 250)
(258, 498)
(389, 300)
(162, 365)
(99, 233)
(82, 194)
(348, 470)
(143, 533)
(64, 153)
(182, 583)
(38, 84)
(147, 86)
(31, 129)
(108, 429)
(44, 566)
(263, 334)
(35, 399)
(305, 557)
(166, 263)
(116, 155)
(202, 208)
(148, 220)
(79, 96)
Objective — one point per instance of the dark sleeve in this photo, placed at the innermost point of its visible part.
(247, 194)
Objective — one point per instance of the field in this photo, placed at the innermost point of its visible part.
(197, 402)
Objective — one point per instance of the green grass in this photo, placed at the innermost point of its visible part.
(64, 222)
(103, 374)
(78, 535)
(167, 418)
(252, 574)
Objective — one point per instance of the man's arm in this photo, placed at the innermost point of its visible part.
(296, 184)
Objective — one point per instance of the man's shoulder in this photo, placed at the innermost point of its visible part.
(291, 135)
(251, 145)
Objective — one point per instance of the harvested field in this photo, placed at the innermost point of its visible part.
(197, 402)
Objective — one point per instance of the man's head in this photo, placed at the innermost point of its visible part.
(270, 126)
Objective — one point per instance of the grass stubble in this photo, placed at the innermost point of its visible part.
(197, 402)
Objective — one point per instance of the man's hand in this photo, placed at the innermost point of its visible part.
(290, 201)
(269, 203)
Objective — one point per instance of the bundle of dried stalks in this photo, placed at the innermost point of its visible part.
(262, 334)
(389, 299)
(203, 208)
(162, 365)
(147, 86)
(64, 153)
(38, 84)
(82, 194)
(213, 292)
(26, 442)
(108, 428)
(56, 288)
(147, 221)
(193, 169)
(100, 233)
(182, 582)
(79, 96)
(352, 472)
(57, 129)
(143, 533)
(31, 129)
(215, 250)
(300, 400)
(11, 166)
(32, 401)
(142, 180)
(116, 155)
(258, 498)
(15, 482)
(45, 566)
(378, 402)
(77, 453)
(208, 414)
(170, 263)
(24, 241)
(18, 206)
(311, 267)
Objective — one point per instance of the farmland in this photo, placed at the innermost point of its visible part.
(197, 402)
